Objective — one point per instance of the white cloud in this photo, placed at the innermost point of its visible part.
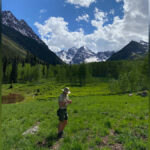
(118, 1)
(112, 12)
(100, 18)
(99, 15)
(83, 17)
(54, 32)
(43, 11)
(77, 6)
(133, 26)
(82, 3)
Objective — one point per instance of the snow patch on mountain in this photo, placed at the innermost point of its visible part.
(91, 59)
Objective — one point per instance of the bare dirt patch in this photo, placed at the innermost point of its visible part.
(56, 145)
(12, 98)
(51, 142)
(117, 146)
(105, 140)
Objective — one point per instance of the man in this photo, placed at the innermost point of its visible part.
(63, 101)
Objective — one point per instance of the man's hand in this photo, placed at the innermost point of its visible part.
(69, 101)
(62, 104)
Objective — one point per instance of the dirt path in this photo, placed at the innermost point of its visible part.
(116, 146)
(56, 145)
(51, 142)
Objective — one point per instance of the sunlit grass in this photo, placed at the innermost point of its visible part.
(91, 118)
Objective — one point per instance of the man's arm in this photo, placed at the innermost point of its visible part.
(62, 104)
(68, 100)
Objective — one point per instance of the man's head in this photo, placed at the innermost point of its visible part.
(66, 90)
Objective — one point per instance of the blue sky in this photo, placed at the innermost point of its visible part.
(62, 24)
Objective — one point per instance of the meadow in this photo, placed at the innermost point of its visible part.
(97, 119)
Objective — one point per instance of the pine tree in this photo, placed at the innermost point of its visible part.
(13, 75)
(82, 74)
(5, 63)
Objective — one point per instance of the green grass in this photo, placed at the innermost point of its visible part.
(49, 89)
(92, 116)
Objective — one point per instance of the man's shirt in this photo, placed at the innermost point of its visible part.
(63, 98)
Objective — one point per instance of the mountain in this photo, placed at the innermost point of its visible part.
(23, 36)
(83, 54)
(133, 50)
(103, 56)
(21, 26)
(67, 55)
(11, 48)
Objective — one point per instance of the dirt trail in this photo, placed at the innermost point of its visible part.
(116, 146)
(51, 142)
(56, 145)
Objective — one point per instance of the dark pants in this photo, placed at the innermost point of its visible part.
(62, 114)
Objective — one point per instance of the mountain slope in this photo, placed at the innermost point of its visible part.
(21, 26)
(12, 49)
(40, 50)
(27, 39)
(103, 56)
(133, 50)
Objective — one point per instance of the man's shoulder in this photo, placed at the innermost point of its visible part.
(61, 97)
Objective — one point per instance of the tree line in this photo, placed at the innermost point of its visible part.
(125, 76)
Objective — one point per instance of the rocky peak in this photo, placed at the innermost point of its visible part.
(21, 26)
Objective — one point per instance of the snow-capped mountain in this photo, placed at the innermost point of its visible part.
(83, 54)
(11, 21)
(67, 55)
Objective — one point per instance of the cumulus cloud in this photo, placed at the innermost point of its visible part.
(100, 18)
(82, 3)
(54, 32)
(83, 17)
(133, 26)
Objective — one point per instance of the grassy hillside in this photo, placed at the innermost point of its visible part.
(96, 120)
(11, 48)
